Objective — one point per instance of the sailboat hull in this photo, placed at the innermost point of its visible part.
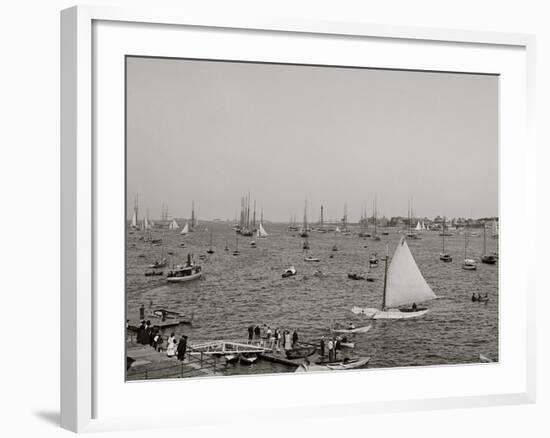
(388, 314)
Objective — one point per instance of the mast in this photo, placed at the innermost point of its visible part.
(321, 224)
(443, 235)
(305, 216)
(385, 279)
(484, 238)
(192, 214)
(375, 215)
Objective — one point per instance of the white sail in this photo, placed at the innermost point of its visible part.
(423, 226)
(262, 232)
(134, 219)
(337, 230)
(418, 226)
(146, 224)
(185, 229)
(174, 225)
(405, 284)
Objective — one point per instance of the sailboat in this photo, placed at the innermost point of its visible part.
(418, 227)
(236, 252)
(469, 264)
(185, 229)
(174, 225)
(404, 285)
(261, 233)
(411, 234)
(488, 259)
(226, 248)
(444, 256)
(210, 250)
(345, 230)
(305, 245)
(304, 230)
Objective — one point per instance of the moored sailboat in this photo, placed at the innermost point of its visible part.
(488, 259)
(444, 256)
(404, 285)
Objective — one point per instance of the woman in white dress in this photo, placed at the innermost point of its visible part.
(171, 347)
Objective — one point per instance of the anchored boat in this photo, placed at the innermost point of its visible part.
(191, 271)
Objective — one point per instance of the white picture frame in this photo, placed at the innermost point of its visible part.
(83, 391)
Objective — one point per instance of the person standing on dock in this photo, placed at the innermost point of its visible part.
(268, 333)
(257, 332)
(250, 333)
(330, 347)
(288, 341)
(294, 339)
(322, 346)
(142, 336)
(142, 312)
(171, 347)
(182, 347)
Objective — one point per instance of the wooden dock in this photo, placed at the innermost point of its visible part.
(151, 364)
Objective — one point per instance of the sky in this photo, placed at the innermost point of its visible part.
(210, 132)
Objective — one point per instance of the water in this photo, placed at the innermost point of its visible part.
(244, 290)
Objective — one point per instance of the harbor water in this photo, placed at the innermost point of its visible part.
(238, 291)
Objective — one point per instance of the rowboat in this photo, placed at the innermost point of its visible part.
(231, 358)
(289, 272)
(248, 358)
(348, 364)
(352, 330)
(300, 352)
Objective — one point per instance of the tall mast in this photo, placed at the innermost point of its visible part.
(484, 241)
(192, 214)
(321, 216)
(375, 215)
(385, 279)
(443, 235)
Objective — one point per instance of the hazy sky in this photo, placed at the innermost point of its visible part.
(213, 131)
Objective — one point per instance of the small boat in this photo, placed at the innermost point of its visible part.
(444, 256)
(153, 273)
(210, 249)
(300, 352)
(248, 358)
(253, 244)
(353, 276)
(469, 265)
(385, 233)
(305, 245)
(373, 260)
(289, 272)
(231, 358)
(488, 259)
(236, 252)
(311, 259)
(371, 279)
(348, 363)
(353, 330)
(142, 255)
(182, 245)
(191, 271)
(162, 264)
(202, 257)
(334, 247)
(479, 298)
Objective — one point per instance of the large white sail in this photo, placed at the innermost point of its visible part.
(146, 224)
(418, 226)
(185, 229)
(405, 284)
(262, 232)
(174, 225)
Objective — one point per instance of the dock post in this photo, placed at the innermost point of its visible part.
(201, 359)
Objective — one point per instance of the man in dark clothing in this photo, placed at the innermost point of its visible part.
(257, 332)
(182, 347)
(142, 312)
(322, 345)
(142, 336)
(294, 338)
(150, 333)
(250, 333)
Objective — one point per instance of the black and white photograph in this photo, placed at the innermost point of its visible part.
(290, 218)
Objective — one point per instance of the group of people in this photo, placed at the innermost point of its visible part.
(331, 347)
(149, 335)
(281, 338)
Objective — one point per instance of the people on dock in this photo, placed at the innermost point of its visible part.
(257, 332)
(322, 346)
(250, 333)
(157, 342)
(182, 347)
(171, 345)
(142, 334)
(268, 333)
(288, 341)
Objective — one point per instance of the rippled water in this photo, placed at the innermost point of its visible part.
(237, 291)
